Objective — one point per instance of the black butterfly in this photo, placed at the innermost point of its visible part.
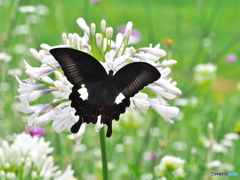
(97, 93)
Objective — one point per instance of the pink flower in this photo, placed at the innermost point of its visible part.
(231, 58)
(135, 37)
(96, 1)
(36, 131)
(150, 156)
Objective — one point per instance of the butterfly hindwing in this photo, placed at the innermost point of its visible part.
(135, 76)
(79, 67)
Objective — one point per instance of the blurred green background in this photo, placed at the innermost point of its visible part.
(202, 32)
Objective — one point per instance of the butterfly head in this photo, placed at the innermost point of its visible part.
(110, 73)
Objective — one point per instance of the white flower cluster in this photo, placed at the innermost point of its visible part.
(172, 166)
(219, 166)
(215, 146)
(223, 145)
(28, 158)
(116, 54)
(205, 72)
(5, 57)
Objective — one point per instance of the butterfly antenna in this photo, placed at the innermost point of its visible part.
(123, 62)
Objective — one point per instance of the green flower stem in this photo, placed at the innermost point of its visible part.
(146, 141)
(59, 102)
(104, 154)
(11, 24)
(232, 42)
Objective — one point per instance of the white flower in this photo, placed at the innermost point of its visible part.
(208, 68)
(219, 148)
(29, 153)
(37, 94)
(35, 72)
(27, 9)
(154, 51)
(186, 102)
(26, 108)
(205, 72)
(167, 63)
(83, 25)
(231, 136)
(67, 175)
(36, 110)
(167, 112)
(64, 118)
(44, 57)
(42, 9)
(45, 118)
(128, 30)
(5, 57)
(216, 164)
(16, 71)
(213, 164)
(25, 89)
(116, 53)
(146, 177)
(224, 144)
(169, 86)
(170, 163)
(21, 29)
(179, 172)
(179, 146)
(140, 101)
(62, 87)
(78, 136)
(161, 93)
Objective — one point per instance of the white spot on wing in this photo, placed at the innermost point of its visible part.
(119, 98)
(83, 92)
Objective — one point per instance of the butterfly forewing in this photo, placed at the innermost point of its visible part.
(79, 67)
(135, 76)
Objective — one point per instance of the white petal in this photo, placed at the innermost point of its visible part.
(103, 25)
(63, 118)
(141, 102)
(46, 47)
(168, 86)
(167, 112)
(93, 29)
(35, 54)
(99, 40)
(164, 71)
(128, 29)
(81, 22)
(167, 63)
(78, 136)
(109, 32)
(67, 174)
(35, 72)
(161, 92)
(155, 51)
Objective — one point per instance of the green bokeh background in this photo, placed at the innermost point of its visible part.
(188, 24)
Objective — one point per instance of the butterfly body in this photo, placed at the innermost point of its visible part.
(96, 93)
(101, 100)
